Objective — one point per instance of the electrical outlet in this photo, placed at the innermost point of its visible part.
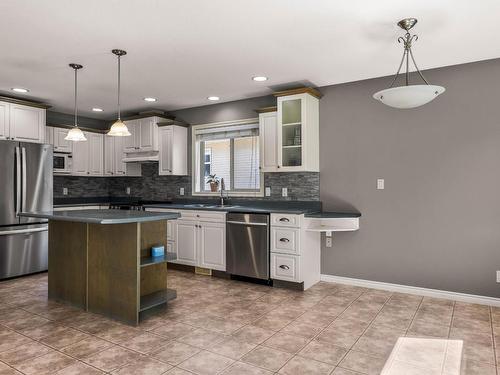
(127, 190)
(328, 241)
(181, 191)
(284, 192)
(65, 191)
(380, 184)
(268, 191)
(498, 276)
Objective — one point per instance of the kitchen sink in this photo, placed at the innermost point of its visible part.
(208, 205)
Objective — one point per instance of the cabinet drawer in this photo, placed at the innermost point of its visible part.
(285, 220)
(285, 267)
(212, 216)
(285, 240)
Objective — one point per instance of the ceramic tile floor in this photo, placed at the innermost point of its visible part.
(227, 327)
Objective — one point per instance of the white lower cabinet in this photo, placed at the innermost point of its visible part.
(285, 267)
(198, 238)
(212, 245)
(187, 243)
(295, 252)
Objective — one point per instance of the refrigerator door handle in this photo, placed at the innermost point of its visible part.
(24, 231)
(18, 182)
(23, 199)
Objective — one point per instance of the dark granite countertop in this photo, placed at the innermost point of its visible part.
(102, 216)
(326, 215)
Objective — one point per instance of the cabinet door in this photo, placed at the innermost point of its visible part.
(49, 135)
(27, 124)
(171, 230)
(212, 245)
(109, 155)
(186, 242)
(146, 134)
(96, 149)
(290, 132)
(268, 135)
(80, 160)
(165, 135)
(131, 143)
(4, 120)
(60, 144)
(119, 166)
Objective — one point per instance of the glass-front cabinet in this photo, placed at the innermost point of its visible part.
(298, 133)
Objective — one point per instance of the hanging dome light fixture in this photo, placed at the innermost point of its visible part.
(75, 134)
(119, 129)
(408, 96)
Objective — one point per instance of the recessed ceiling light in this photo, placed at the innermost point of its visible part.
(97, 109)
(213, 98)
(20, 89)
(260, 78)
(150, 99)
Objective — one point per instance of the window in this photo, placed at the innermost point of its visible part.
(230, 151)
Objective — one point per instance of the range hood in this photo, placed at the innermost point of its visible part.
(141, 157)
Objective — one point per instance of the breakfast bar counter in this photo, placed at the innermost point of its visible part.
(101, 261)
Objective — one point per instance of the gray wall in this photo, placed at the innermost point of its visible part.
(437, 223)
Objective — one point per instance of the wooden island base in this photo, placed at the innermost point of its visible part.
(107, 269)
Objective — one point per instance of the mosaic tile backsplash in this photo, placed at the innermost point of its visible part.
(302, 186)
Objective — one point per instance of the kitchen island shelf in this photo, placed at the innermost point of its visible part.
(149, 261)
(157, 298)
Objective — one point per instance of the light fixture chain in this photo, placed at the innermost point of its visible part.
(76, 95)
(119, 117)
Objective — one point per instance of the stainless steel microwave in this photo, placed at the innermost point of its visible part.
(62, 163)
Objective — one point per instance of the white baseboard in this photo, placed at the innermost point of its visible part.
(436, 293)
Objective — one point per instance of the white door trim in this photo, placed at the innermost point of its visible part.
(436, 293)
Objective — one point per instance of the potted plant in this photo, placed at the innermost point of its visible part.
(213, 180)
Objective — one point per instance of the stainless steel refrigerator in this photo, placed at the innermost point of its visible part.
(25, 185)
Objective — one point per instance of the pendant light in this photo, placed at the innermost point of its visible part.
(408, 96)
(119, 129)
(75, 134)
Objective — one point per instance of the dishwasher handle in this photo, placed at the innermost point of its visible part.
(246, 223)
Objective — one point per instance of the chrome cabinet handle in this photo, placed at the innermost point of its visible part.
(284, 220)
(285, 267)
(284, 240)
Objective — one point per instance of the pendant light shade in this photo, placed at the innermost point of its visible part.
(75, 134)
(408, 96)
(119, 129)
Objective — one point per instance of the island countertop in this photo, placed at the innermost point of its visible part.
(103, 216)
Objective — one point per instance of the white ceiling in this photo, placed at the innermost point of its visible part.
(182, 51)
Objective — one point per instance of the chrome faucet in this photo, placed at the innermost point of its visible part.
(222, 188)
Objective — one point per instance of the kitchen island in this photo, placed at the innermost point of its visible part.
(100, 260)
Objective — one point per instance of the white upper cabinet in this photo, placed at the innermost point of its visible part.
(60, 144)
(80, 159)
(173, 150)
(298, 133)
(96, 153)
(4, 120)
(130, 143)
(268, 135)
(144, 135)
(88, 156)
(25, 123)
(109, 155)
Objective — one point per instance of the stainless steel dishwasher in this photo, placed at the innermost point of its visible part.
(247, 245)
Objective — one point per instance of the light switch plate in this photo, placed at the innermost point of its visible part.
(284, 192)
(268, 191)
(128, 190)
(181, 191)
(65, 191)
(498, 276)
(380, 184)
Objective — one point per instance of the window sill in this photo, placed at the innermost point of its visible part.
(257, 194)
